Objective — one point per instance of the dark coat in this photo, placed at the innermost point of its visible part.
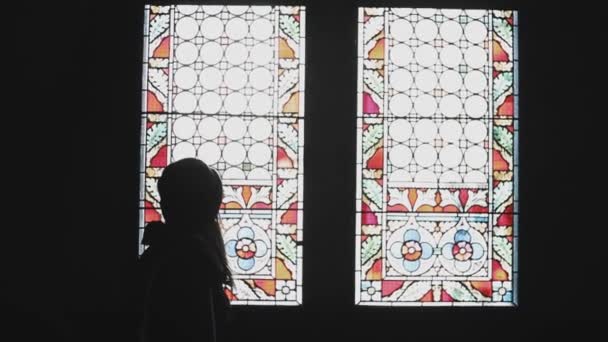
(183, 298)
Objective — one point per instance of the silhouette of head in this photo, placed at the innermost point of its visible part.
(190, 198)
(190, 192)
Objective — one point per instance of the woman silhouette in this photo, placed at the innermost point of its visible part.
(185, 267)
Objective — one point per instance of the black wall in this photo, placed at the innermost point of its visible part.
(90, 80)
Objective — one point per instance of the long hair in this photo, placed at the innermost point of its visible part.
(191, 194)
(217, 243)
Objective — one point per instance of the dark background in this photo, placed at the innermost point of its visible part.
(78, 75)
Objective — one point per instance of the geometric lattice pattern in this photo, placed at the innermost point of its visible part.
(436, 164)
(225, 84)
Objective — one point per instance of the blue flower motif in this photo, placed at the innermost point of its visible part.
(371, 291)
(410, 250)
(502, 291)
(462, 251)
(246, 248)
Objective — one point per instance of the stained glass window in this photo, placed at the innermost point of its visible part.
(436, 157)
(225, 84)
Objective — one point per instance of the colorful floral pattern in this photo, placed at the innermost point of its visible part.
(437, 155)
(225, 84)
(247, 249)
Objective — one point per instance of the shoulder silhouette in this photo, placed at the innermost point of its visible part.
(184, 267)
